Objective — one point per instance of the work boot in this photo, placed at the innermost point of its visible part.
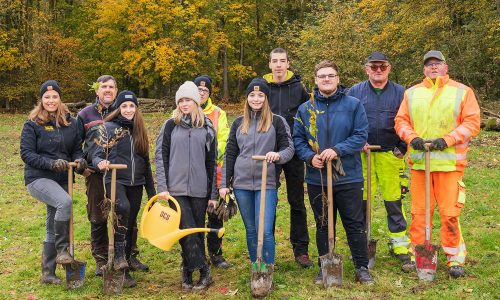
(136, 265)
(219, 261)
(187, 279)
(99, 264)
(120, 262)
(129, 281)
(407, 265)
(456, 271)
(304, 261)
(62, 242)
(319, 277)
(49, 264)
(364, 276)
(205, 279)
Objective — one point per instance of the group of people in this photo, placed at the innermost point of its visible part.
(199, 158)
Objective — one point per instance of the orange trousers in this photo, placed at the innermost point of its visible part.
(446, 190)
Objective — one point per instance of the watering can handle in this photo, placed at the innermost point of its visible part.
(153, 200)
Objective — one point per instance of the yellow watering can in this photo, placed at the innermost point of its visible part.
(160, 224)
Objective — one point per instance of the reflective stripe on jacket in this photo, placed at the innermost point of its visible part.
(444, 109)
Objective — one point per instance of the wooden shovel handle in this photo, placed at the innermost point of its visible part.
(70, 192)
(259, 157)
(262, 208)
(427, 147)
(373, 147)
(331, 224)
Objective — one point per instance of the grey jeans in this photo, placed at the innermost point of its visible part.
(58, 203)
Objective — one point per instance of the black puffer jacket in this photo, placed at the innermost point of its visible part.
(121, 151)
(41, 145)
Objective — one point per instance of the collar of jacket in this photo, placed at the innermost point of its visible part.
(289, 75)
(383, 89)
(208, 107)
(339, 93)
(440, 81)
(101, 109)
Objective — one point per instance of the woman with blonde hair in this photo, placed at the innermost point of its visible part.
(49, 141)
(257, 132)
(186, 152)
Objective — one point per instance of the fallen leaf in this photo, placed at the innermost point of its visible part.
(399, 282)
(223, 290)
(232, 292)
(468, 290)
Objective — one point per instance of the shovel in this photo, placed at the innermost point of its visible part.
(262, 277)
(75, 271)
(426, 254)
(113, 280)
(372, 244)
(331, 263)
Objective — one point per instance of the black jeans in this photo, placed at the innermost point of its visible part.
(193, 212)
(294, 175)
(214, 243)
(97, 215)
(348, 201)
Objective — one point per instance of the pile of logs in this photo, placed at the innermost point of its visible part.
(490, 121)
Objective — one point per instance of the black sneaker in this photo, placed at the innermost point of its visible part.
(364, 276)
(407, 265)
(129, 280)
(136, 265)
(456, 271)
(319, 278)
(98, 268)
(218, 261)
(304, 261)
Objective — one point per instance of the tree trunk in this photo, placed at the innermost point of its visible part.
(238, 90)
(225, 84)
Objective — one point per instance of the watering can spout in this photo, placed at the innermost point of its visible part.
(160, 224)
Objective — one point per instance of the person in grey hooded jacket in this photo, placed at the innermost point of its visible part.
(186, 152)
(257, 132)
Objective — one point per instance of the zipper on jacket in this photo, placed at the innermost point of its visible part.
(189, 160)
(132, 159)
(377, 118)
(252, 162)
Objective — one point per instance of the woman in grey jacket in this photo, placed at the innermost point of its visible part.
(257, 132)
(185, 159)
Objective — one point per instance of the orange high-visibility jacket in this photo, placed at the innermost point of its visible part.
(441, 109)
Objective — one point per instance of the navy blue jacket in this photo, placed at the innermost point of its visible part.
(341, 125)
(122, 152)
(41, 145)
(381, 111)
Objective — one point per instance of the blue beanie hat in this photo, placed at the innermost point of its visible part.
(50, 85)
(258, 84)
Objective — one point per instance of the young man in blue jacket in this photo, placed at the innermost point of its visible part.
(381, 99)
(332, 126)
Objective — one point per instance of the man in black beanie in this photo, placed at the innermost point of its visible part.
(287, 93)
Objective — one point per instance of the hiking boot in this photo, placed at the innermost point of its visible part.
(205, 279)
(136, 265)
(456, 271)
(364, 276)
(219, 261)
(120, 262)
(407, 265)
(62, 242)
(49, 264)
(187, 279)
(98, 267)
(304, 261)
(319, 277)
(129, 281)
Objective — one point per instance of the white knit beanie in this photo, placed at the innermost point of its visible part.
(188, 90)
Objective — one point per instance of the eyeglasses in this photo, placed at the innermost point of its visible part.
(201, 91)
(436, 64)
(375, 67)
(327, 76)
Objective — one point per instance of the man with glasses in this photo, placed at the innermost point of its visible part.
(218, 118)
(381, 98)
(333, 126)
(446, 113)
(287, 93)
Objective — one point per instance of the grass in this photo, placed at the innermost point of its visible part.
(22, 228)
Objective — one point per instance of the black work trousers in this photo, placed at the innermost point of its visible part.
(214, 243)
(294, 176)
(193, 212)
(348, 201)
(97, 213)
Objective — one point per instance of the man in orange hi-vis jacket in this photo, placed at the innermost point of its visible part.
(445, 112)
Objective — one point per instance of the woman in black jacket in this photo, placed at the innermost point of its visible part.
(124, 140)
(49, 140)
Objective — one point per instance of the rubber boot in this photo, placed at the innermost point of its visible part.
(205, 279)
(120, 262)
(187, 279)
(49, 264)
(129, 281)
(62, 242)
(134, 263)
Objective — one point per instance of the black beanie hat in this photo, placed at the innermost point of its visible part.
(50, 85)
(125, 96)
(258, 84)
(204, 80)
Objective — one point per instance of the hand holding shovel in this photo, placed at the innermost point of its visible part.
(372, 244)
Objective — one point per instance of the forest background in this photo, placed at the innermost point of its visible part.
(152, 46)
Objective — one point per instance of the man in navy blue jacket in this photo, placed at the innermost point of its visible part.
(332, 126)
(381, 99)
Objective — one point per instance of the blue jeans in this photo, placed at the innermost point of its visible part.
(249, 205)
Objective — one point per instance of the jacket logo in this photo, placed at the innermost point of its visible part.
(49, 128)
(256, 88)
(164, 215)
(202, 83)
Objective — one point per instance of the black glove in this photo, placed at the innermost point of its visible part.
(418, 143)
(211, 209)
(81, 165)
(338, 170)
(439, 144)
(60, 165)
